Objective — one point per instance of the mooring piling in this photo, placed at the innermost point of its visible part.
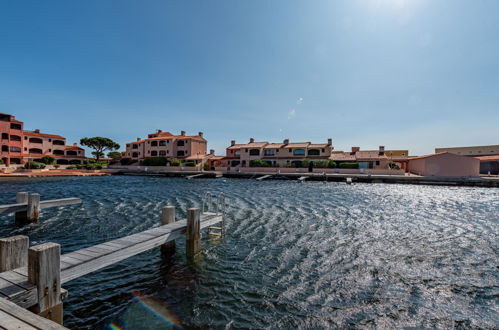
(168, 217)
(193, 234)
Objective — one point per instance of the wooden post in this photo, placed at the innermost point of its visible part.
(13, 252)
(33, 207)
(193, 235)
(168, 216)
(21, 216)
(44, 271)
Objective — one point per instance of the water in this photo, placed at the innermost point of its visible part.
(310, 255)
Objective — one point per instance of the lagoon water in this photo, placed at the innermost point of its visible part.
(309, 255)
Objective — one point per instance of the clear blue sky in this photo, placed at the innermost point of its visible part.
(414, 74)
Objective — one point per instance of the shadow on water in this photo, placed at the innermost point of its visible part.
(308, 255)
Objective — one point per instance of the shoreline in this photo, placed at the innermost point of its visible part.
(492, 182)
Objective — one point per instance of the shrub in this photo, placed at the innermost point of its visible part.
(72, 167)
(56, 166)
(34, 165)
(154, 161)
(47, 160)
(175, 162)
(126, 161)
(1, 162)
(393, 166)
(349, 165)
(206, 167)
(258, 163)
(190, 163)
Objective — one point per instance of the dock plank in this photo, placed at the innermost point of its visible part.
(10, 310)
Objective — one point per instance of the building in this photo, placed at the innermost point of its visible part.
(489, 164)
(471, 151)
(19, 146)
(276, 154)
(444, 164)
(367, 159)
(165, 144)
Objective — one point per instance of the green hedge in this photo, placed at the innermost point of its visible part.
(34, 165)
(154, 161)
(259, 163)
(175, 162)
(349, 165)
(47, 160)
(190, 164)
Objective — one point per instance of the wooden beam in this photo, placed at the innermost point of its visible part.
(33, 207)
(43, 204)
(193, 235)
(44, 271)
(168, 217)
(13, 252)
(28, 320)
(21, 198)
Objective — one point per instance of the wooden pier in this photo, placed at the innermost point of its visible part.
(31, 277)
(28, 206)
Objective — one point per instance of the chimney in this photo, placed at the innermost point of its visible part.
(355, 149)
(159, 131)
(37, 130)
(329, 141)
(138, 139)
(232, 143)
(252, 140)
(286, 141)
(200, 134)
(212, 151)
(381, 150)
(182, 133)
(75, 144)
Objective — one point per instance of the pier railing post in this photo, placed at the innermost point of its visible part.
(44, 271)
(167, 217)
(33, 212)
(21, 198)
(193, 235)
(13, 252)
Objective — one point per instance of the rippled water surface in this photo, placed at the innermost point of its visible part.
(310, 255)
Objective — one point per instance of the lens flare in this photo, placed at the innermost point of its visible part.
(114, 326)
(157, 308)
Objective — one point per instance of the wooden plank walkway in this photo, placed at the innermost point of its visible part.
(14, 285)
(18, 207)
(14, 317)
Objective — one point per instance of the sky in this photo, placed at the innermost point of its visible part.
(406, 74)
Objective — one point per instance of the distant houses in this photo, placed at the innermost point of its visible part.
(19, 146)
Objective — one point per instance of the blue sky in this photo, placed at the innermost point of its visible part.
(414, 74)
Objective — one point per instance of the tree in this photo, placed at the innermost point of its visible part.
(97, 154)
(114, 154)
(99, 144)
(47, 160)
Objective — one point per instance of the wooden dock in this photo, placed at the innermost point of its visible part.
(31, 278)
(15, 317)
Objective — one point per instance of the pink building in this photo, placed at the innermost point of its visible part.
(165, 144)
(444, 164)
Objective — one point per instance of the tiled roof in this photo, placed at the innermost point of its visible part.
(172, 137)
(254, 145)
(318, 145)
(369, 154)
(431, 155)
(297, 145)
(196, 157)
(488, 158)
(73, 147)
(44, 135)
(342, 156)
(274, 145)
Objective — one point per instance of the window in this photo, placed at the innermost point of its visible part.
(180, 153)
(254, 152)
(237, 152)
(180, 143)
(135, 146)
(290, 149)
(5, 136)
(5, 148)
(162, 153)
(313, 152)
(34, 151)
(59, 152)
(15, 138)
(154, 143)
(377, 163)
(269, 152)
(135, 155)
(15, 126)
(154, 153)
(323, 150)
(162, 143)
(35, 140)
(299, 152)
(71, 153)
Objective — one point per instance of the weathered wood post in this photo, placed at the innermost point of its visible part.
(13, 252)
(44, 271)
(33, 212)
(193, 235)
(21, 198)
(168, 216)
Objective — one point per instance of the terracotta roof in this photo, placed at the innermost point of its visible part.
(177, 137)
(431, 155)
(274, 145)
(235, 146)
(44, 135)
(196, 157)
(488, 158)
(297, 145)
(369, 154)
(318, 145)
(74, 147)
(254, 145)
(342, 156)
